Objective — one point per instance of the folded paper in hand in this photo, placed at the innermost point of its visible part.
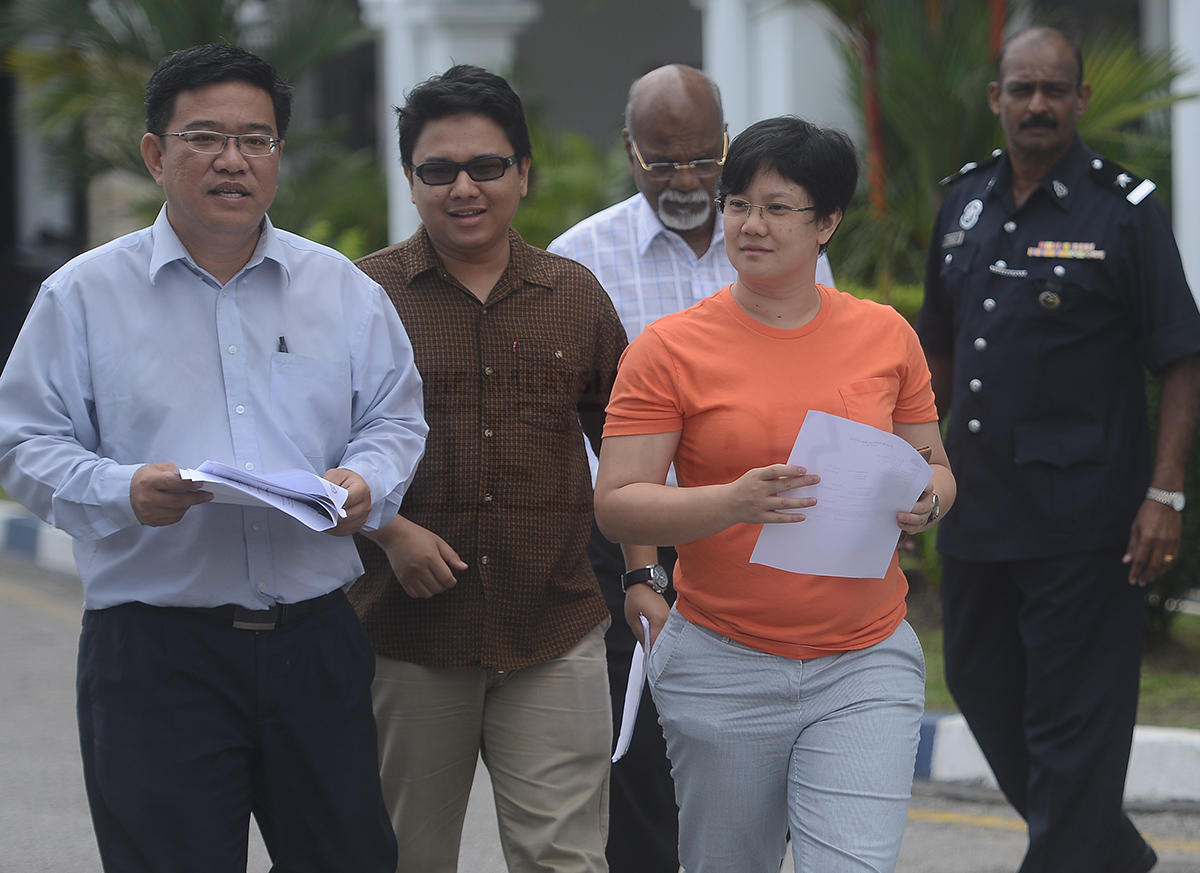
(302, 494)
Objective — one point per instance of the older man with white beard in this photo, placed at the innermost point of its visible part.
(656, 253)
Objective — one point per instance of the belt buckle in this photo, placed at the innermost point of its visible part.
(256, 619)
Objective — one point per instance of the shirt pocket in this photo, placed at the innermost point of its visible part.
(310, 403)
(870, 401)
(955, 271)
(549, 382)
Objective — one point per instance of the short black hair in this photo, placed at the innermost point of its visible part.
(195, 67)
(821, 160)
(1041, 32)
(463, 90)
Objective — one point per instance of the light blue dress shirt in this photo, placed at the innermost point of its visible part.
(648, 270)
(132, 354)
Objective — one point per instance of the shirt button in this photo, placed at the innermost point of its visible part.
(487, 432)
(483, 560)
(239, 409)
(949, 258)
(1060, 270)
(249, 465)
(487, 498)
(1010, 226)
(262, 586)
(989, 305)
(487, 371)
(233, 350)
(976, 385)
(558, 353)
(255, 527)
(980, 344)
(974, 425)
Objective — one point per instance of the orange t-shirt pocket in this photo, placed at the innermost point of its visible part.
(870, 401)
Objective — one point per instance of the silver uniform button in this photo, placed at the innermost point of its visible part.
(989, 305)
(949, 258)
(1001, 265)
(1097, 164)
(1060, 270)
(980, 344)
(976, 386)
(974, 425)
(1010, 226)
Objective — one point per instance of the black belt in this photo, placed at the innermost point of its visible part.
(244, 618)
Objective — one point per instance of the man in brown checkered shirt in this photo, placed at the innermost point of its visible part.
(480, 601)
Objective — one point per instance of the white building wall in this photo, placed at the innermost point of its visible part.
(776, 57)
(1185, 138)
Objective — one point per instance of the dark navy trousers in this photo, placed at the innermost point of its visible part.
(643, 820)
(1043, 657)
(188, 726)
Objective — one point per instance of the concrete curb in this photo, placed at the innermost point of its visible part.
(1164, 765)
(27, 537)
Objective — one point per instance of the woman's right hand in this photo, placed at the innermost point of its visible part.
(756, 496)
(643, 600)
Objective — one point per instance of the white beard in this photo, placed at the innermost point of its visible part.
(692, 218)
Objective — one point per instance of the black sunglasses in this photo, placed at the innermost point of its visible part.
(480, 170)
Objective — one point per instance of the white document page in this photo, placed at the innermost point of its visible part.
(867, 476)
(638, 669)
(314, 501)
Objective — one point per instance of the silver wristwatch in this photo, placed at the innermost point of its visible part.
(653, 575)
(1173, 499)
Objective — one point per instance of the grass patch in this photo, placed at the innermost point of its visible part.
(1170, 690)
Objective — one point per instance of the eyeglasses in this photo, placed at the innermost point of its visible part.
(480, 170)
(661, 171)
(209, 142)
(739, 208)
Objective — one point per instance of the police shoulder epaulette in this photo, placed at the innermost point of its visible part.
(971, 167)
(1111, 175)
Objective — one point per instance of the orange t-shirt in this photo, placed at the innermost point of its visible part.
(738, 391)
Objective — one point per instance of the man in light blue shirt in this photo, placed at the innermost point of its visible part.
(658, 252)
(222, 671)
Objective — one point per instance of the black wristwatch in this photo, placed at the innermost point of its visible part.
(653, 575)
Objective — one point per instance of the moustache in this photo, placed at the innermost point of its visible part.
(1045, 121)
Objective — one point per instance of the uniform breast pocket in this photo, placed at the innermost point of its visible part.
(549, 381)
(956, 265)
(870, 401)
(310, 403)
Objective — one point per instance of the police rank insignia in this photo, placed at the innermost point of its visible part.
(970, 214)
(1079, 251)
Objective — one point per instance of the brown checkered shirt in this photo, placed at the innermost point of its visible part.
(505, 477)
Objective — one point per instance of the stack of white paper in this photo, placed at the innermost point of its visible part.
(302, 494)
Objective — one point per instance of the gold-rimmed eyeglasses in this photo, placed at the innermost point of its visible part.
(740, 208)
(661, 171)
(209, 142)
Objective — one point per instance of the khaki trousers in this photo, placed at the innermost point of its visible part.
(544, 733)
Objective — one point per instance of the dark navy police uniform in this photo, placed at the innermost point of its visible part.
(1051, 312)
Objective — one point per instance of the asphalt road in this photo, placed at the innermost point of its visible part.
(44, 823)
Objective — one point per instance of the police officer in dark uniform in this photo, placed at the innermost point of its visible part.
(1053, 281)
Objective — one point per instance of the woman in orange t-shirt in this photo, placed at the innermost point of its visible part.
(789, 702)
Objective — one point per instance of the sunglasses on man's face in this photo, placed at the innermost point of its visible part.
(480, 170)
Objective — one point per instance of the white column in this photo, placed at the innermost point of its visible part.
(726, 53)
(420, 38)
(1185, 138)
